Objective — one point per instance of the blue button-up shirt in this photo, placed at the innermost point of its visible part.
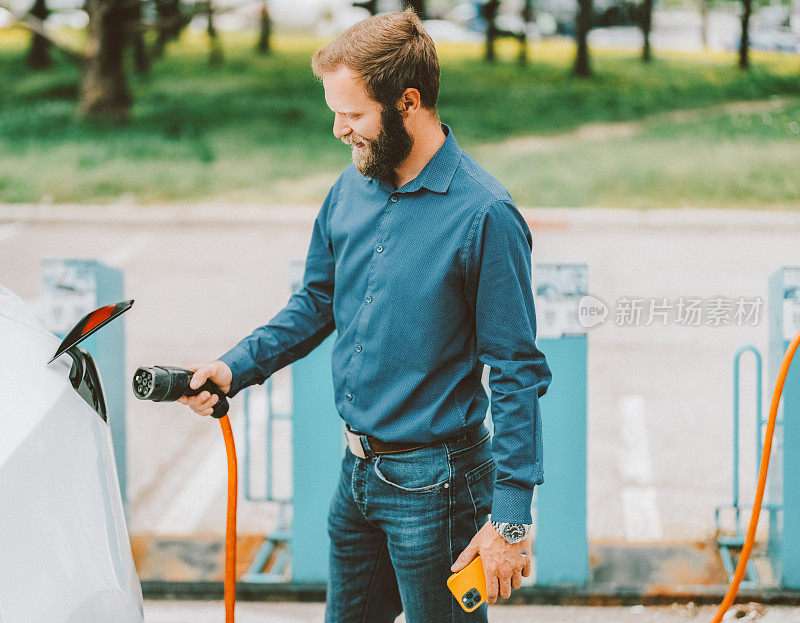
(424, 284)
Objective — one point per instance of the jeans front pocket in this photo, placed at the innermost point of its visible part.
(480, 484)
(419, 471)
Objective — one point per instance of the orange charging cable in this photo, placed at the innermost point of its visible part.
(733, 590)
(230, 525)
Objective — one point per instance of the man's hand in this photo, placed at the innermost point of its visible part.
(502, 561)
(216, 371)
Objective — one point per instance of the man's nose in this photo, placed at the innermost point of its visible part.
(340, 127)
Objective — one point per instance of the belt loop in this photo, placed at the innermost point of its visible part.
(358, 443)
(365, 444)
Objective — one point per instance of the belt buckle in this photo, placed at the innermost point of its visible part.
(354, 443)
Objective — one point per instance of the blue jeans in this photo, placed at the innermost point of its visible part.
(397, 522)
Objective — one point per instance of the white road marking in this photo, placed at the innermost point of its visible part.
(10, 230)
(639, 500)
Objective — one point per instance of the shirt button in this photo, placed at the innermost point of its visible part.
(358, 348)
(349, 397)
(379, 249)
(369, 299)
(393, 198)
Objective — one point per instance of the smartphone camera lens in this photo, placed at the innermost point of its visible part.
(471, 597)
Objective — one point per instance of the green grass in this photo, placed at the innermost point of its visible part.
(256, 129)
(723, 161)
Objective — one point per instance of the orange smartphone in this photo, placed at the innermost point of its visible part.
(469, 585)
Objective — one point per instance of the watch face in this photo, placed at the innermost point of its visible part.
(514, 532)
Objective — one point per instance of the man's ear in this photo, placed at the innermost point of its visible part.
(410, 102)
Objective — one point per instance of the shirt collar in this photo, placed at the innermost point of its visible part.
(438, 172)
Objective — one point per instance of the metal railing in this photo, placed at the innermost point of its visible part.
(726, 542)
(271, 562)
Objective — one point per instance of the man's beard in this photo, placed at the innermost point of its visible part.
(379, 158)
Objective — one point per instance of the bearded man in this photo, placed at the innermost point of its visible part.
(422, 263)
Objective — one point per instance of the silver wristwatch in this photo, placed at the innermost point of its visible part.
(512, 532)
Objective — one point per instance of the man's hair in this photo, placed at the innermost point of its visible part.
(390, 53)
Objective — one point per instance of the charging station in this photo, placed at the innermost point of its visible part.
(783, 485)
(71, 288)
(562, 547)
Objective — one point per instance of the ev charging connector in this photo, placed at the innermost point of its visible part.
(167, 384)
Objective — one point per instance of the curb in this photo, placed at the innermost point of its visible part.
(545, 218)
(598, 595)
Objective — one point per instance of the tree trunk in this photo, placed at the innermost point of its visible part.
(39, 52)
(744, 60)
(647, 26)
(266, 30)
(170, 24)
(215, 49)
(141, 62)
(489, 14)
(583, 22)
(104, 89)
(527, 16)
(704, 8)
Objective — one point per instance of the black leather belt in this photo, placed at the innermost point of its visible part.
(382, 447)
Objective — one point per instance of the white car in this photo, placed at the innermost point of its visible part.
(65, 554)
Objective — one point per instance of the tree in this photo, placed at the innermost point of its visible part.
(141, 61)
(489, 11)
(215, 49)
(170, 23)
(39, 52)
(646, 24)
(744, 60)
(265, 23)
(527, 16)
(705, 6)
(583, 22)
(104, 88)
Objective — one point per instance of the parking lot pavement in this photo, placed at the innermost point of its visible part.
(278, 612)
(659, 393)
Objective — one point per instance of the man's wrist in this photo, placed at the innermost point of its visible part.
(511, 532)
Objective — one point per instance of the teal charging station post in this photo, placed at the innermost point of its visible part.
(783, 488)
(561, 547)
(71, 288)
(317, 448)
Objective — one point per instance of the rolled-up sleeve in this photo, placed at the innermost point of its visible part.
(498, 265)
(305, 321)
